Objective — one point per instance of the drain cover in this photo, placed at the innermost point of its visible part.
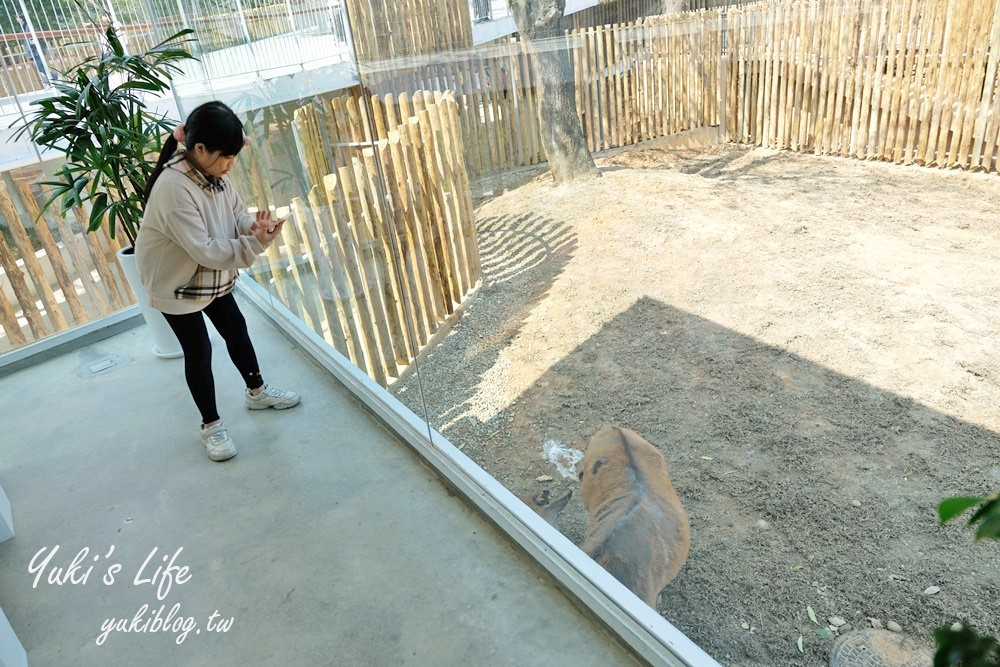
(102, 365)
(878, 648)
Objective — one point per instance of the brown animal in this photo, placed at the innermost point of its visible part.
(547, 510)
(637, 529)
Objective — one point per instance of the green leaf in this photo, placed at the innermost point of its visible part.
(988, 516)
(99, 205)
(949, 508)
(965, 648)
(812, 614)
(799, 644)
(823, 633)
(141, 85)
(96, 219)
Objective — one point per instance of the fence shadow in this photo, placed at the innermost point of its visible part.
(521, 256)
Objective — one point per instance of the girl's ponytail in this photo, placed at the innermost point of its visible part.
(169, 148)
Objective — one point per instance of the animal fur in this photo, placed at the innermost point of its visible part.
(637, 528)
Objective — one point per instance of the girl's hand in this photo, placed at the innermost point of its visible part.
(263, 221)
(266, 229)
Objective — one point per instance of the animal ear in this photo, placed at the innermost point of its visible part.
(540, 503)
(559, 504)
(597, 465)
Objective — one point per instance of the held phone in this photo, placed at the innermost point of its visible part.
(275, 222)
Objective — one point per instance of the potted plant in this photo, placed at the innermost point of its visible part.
(99, 119)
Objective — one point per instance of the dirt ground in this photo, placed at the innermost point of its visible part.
(812, 342)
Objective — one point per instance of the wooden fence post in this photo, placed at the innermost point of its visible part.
(31, 265)
(350, 253)
(59, 269)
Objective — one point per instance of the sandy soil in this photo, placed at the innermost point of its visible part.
(812, 342)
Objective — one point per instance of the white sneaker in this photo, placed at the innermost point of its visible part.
(218, 444)
(270, 397)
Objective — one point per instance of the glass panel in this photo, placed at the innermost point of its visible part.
(381, 255)
(797, 335)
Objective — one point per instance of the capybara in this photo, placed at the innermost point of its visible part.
(637, 529)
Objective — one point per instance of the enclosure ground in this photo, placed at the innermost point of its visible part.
(812, 342)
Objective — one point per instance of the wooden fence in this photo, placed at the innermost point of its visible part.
(907, 81)
(386, 30)
(610, 12)
(634, 82)
(383, 248)
(647, 79)
(55, 276)
(690, 5)
(900, 80)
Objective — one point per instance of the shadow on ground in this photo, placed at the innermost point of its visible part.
(806, 488)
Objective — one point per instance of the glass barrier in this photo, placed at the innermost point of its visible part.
(643, 219)
(703, 295)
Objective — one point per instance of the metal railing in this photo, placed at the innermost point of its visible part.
(38, 43)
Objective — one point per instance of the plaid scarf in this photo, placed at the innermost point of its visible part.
(207, 183)
(207, 284)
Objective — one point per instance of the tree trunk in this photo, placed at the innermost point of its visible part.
(673, 6)
(540, 24)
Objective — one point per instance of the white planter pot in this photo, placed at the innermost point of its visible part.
(165, 343)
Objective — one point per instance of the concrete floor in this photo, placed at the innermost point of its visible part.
(326, 541)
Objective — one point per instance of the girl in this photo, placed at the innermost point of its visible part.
(195, 234)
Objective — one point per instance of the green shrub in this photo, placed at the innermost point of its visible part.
(960, 645)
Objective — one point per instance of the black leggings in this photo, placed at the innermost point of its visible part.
(192, 333)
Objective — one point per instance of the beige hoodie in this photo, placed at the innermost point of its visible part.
(194, 236)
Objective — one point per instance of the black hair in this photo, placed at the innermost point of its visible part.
(213, 124)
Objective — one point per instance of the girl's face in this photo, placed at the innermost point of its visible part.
(212, 163)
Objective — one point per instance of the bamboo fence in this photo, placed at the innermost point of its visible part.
(616, 11)
(634, 82)
(392, 40)
(383, 249)
(691, 5)
(647, 79)
(907, 81)
(55, 275)
(389, 30)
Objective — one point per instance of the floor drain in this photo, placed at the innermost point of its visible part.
(877, 648)
(102, 365)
